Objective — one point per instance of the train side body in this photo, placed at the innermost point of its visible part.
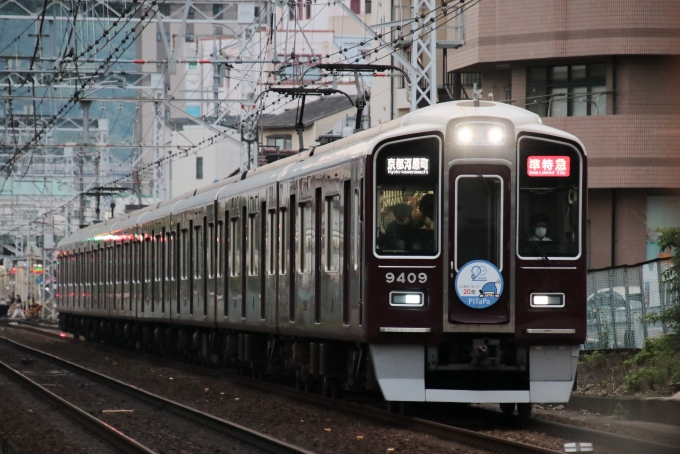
(401, 257)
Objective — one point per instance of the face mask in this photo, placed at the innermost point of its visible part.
(540, 232)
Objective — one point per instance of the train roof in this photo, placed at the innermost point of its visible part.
(433, 118)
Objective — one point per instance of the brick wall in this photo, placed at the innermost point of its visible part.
(507, 30)
(630, 225)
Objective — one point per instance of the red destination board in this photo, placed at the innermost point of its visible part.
(548, 166)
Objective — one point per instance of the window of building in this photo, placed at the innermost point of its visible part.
(355, 6)
(303, 67)
(281, 142)
(199, 168)
(567, 90)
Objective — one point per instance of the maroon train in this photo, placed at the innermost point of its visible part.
(440, 256)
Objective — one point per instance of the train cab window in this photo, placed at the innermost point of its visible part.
(407, 198)
(549, 200)
(479, 208)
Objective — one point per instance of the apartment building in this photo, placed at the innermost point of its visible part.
(608, 72)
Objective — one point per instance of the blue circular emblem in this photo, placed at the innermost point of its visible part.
(479, 284)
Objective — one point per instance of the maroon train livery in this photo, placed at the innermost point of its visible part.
(439, 257)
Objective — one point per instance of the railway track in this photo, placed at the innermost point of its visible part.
(435, 426)
(153, 407)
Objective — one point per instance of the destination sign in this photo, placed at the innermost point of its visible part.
(548, 166)
(408, 166)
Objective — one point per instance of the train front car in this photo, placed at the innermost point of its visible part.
(476, 271)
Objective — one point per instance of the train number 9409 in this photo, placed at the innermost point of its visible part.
(411, 278)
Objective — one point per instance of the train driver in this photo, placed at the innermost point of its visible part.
(540, 224)
(398, 234)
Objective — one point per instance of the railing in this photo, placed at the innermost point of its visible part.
(619, 297)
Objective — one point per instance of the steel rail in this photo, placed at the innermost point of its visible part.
(222, 426)
(104, 432)
(615, 442)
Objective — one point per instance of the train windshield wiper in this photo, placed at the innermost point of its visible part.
(541, 252)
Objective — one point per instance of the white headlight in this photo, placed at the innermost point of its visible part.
(465, 135)
(480, 133)
(495, 135)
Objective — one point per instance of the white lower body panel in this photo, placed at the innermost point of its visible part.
(400, 371)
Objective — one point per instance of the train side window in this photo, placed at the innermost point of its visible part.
(479, 219)
(305, 233)
(159, 261)
(273, 240)
(283, 247)
(184, 258)
(148, 259)
(219, 242)
(234, 247)
(252, 245)
(119, 263)
(333, 233)
(356, 227)
(209, 251)
(170, 256)
(126, 262)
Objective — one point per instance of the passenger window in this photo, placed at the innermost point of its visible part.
(332, 233)
(197, 254)
(283, 247)
(184, 259)
(304, 236)
(218, 249)
(159, 260)
(170, 262)
(252, 242)
(210, 240)
(234, 247)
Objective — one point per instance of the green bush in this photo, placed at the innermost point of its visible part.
(658, 364)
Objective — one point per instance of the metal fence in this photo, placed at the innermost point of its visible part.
(619, 297)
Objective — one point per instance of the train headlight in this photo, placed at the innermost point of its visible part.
(495, 135)
(407, 299)
(547, 300)
(465, 134)
(480, 133)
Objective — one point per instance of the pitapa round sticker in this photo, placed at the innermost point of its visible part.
(479, 284)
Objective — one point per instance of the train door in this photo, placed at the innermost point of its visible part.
(269, 265)
(479, 238)
(158, 258)
(254, 228)
(221, 262)
(210, 277)
(307, 207)
(125, 281)
(87, 285)
(171, 283)
(137, 267)
(198, 306)
(236, 278)
(352, 305)
(286, 224)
